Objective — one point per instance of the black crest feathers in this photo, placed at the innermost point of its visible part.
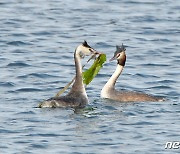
(119, 49)
(85, 44)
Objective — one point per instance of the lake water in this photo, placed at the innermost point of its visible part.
(37, 41)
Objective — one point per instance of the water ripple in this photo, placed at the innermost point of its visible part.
(28, 90)
(18, 43)
(38, 75)
(7, 84)
(18, 64)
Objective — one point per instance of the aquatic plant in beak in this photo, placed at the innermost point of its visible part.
(89, 74)
(76, 97)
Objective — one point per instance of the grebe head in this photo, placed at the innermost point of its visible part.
(85, 50)
(120, 55)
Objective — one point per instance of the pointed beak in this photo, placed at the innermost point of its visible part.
(113, 58)
(94, 51)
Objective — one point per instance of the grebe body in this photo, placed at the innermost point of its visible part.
(109, 90)
(77, 97)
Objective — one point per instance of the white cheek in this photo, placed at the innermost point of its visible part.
(87, 52)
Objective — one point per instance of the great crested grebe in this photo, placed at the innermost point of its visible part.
(77, 96)
(109, 90)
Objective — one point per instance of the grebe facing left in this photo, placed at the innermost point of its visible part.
(109, 90)
(77, 97)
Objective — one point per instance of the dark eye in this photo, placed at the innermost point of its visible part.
(90, 50)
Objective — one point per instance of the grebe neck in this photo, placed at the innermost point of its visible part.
(78, 85)
(112, 81)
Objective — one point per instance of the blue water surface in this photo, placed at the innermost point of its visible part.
(37, 42)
